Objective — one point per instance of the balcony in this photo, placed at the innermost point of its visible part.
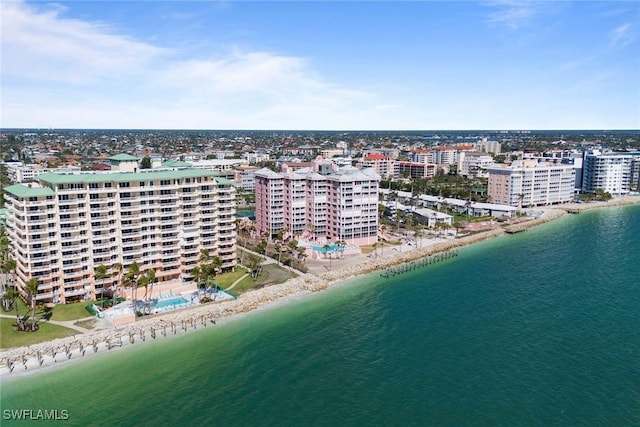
(44, 295)
(43, 268)
(168, 272)
(74, 292)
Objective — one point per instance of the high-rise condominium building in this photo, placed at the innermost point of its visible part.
(324, 201)
(383, 165)
(64, 226)
(609, 172)
(529, 183)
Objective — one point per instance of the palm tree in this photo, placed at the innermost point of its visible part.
(100, 274)
(9, 298)
(261, 247)
(326, 249)
(205, 257)
(132, 279)
(143, 281)
(467, 207)
(341, 245)
(32, 291)
(417, 230)
(119, 269)
(278, 246)
(445, 226)
(520, 199)
(196, 272)
(457, 225)
(151, 276)
(216, 264)
(302, 254)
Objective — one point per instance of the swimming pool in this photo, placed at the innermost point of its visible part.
(322, 249)
(170, 302)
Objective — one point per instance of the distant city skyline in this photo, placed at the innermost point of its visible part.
(327, 65)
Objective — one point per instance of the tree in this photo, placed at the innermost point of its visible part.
(216, 264)
(145, 163)
(341, 245)
(151, 277)
(302, 253)
(143, 281)
(32, 291)
(8, 299)
(457, 225)
(278, 246)
(100, 274)
(261, 247)
(131, 279)
(326, 249)
(520, 199)
(197, 274)
(119, 269)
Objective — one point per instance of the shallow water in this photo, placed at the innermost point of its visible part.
(541, 328)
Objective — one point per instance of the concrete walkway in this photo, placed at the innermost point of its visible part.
(237, 281)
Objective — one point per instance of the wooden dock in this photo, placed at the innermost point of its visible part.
(409, 266)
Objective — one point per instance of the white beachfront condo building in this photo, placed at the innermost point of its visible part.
(474, 164)
(323, 201)
(609, 172)
(530, 183)
(384, 166)
(62, 227)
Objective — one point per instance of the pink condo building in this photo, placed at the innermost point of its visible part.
(323, 202)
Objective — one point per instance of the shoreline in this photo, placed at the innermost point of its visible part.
(19, 361)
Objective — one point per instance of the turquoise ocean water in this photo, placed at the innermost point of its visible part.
(538, 328)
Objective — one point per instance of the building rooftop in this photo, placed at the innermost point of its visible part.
(123, 157)
(175, 164)
(80, 178)
(22, 190)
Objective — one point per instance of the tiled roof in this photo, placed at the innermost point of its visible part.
(22, 190)
(123, 157)
(58, 178)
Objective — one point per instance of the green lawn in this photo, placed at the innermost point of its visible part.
(72, 311)
(244, 285)
(225, 280)
(10, 337)
(272, 274)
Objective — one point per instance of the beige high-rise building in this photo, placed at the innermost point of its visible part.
(64, 226)
(323, 201)
(528, 183)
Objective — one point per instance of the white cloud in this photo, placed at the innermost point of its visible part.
(41, 44)
(512, 14)
(622, 35)
(75, 72)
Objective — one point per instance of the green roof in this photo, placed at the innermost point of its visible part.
(175, 164)
(21, 190)
(123, 157)
(224, 181)
(85, 178)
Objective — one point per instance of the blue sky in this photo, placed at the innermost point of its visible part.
(327, 65)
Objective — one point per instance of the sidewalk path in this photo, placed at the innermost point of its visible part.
(237, 281)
